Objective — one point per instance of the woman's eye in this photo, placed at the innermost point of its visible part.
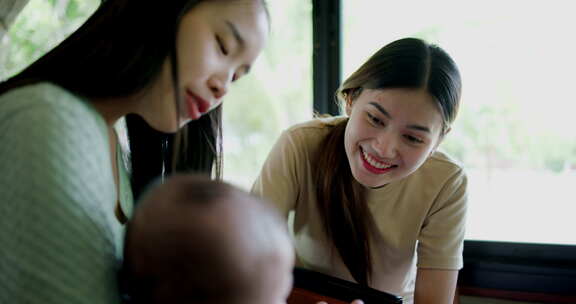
(375, 120)
(221, 45)
(413, 139)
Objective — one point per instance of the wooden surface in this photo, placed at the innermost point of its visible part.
(517, 296)
(302, 296)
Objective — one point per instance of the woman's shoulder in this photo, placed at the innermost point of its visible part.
(41, 104)
(442, 158)
(36, 117)
(442, 166)
(316, 128)
(306, 137)
(53, 143)
(45, 97)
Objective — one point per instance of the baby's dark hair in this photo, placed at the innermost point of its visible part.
(179, 243)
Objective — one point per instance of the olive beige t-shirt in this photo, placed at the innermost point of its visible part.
(419, 220)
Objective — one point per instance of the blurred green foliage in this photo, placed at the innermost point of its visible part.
(40, 26)
(276, 95)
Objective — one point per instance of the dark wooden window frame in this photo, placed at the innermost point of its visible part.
(326, 35)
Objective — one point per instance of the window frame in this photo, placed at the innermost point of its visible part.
(326, 63)
(519, 267)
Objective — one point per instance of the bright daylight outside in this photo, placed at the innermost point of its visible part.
(275, 95)
(515, 132)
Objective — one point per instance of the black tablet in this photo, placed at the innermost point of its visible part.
(336, 288)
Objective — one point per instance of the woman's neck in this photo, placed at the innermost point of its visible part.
(114, 108)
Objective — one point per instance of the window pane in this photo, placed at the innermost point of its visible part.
(39, 27)
(274, 96)
(515, 131)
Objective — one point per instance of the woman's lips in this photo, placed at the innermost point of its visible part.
(196, 105)
(375, 170)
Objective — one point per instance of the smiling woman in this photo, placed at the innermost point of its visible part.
(390, 134)
(374, 202)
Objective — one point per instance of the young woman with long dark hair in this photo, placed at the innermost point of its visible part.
(64, 190)
(374, 200)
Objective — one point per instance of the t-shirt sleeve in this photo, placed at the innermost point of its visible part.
(57, 243)
(278, 179)
(442, 236)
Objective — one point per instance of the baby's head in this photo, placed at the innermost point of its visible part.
(194, 240)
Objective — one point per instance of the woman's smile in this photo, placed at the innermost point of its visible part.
(373, 165)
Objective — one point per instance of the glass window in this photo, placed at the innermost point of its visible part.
(515, 132)
(275, 95)
(39, 27)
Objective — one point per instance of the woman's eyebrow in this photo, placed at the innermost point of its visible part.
(240, 40)
(381, 109)
(419, 128)
(385, 113)
(234, 29)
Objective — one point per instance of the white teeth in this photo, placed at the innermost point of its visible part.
(374, 162)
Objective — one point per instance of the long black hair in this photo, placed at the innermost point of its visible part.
(118, 52)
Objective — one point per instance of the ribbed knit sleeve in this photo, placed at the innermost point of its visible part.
(59, 239)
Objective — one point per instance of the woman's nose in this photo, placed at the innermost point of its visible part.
(386, 145)
(219, 86)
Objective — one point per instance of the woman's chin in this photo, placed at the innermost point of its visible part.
(166, 128)
(369, 180)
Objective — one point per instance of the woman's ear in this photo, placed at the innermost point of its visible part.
(348, 100)
(440, 139)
